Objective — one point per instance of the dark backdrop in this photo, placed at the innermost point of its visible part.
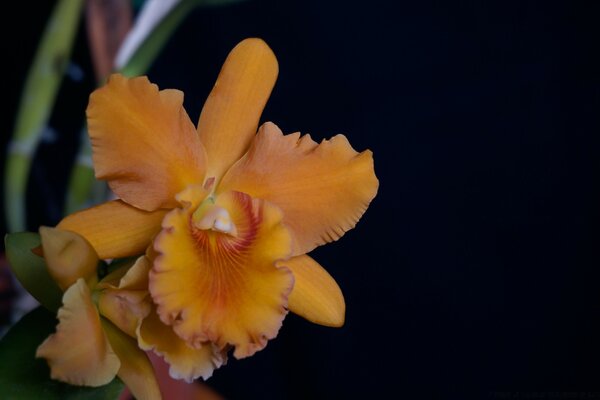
(474, 274)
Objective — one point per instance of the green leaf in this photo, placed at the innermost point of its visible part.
(22, 376)
(31, 270)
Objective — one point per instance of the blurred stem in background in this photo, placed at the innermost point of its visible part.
(108, 25)
(37, 101)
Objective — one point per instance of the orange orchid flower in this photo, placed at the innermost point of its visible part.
(231, 212)
(88, 348)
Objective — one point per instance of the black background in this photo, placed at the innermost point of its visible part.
(475, 272)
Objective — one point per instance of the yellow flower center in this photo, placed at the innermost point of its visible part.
(209, 216)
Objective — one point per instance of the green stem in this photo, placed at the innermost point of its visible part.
(84, 190)
(39, 94)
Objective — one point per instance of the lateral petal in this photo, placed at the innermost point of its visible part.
(322, 189)
(143, 142)
(115, 229)
(79, 352)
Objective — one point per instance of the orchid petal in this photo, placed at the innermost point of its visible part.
(79, 352)
(68, 256)
(316, 296)
(213, 286)
(322, 189)
(185, 362)
(143, 142)
(229, 119)
(115, 229)
(128, 303)
(136, 369)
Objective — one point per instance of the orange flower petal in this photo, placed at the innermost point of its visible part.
(316, 296)
(322, 189)
(115, 229)
(79, 352)
(229, 119)
(124, 308)
(133, 275)
(68, 257)
(143, 142)
(185, 362)
(128, 303)
(136, 369)
(136, 277)
(212, 286)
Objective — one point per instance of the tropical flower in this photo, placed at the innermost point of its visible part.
(231, 212)
(90, 346)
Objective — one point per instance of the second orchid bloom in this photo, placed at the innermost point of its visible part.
(222, 216)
